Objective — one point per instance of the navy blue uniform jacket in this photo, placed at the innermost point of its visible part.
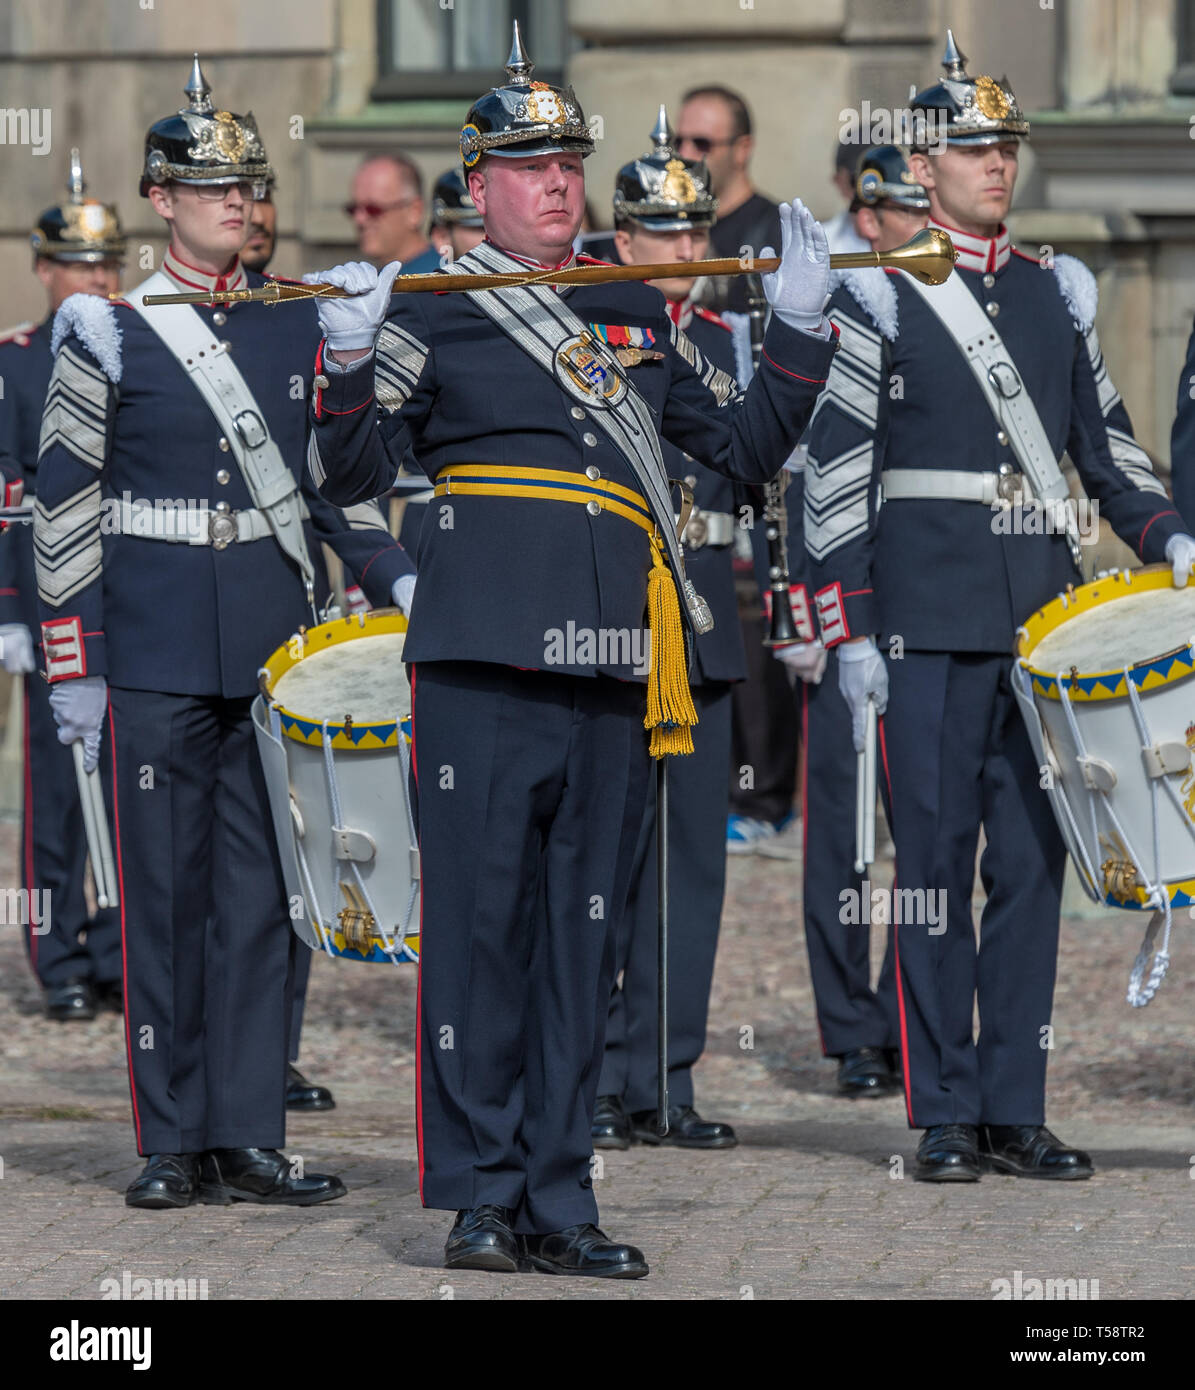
(496, 574)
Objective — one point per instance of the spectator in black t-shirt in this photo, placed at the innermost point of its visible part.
(715, 125)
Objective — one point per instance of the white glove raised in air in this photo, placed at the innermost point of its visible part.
(354, 323)
(16, 649)
(1180, 551)
(402, 592)
(79, 707)
(861, 674)
(807, 659)
(797, 291)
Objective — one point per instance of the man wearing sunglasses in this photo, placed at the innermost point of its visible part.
(388, 211)
(715, 126)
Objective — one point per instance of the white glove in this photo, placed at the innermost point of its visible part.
(402, 592)
(354, 323)
(16, 649)
(797, 291)
(1180, 551)
(807, 659)
(861, 673)
(79, 707)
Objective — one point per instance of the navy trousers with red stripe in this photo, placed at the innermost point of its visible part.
(206, 931)
(67, 944)
(956, 757)
(850, 1014)
(530, 789)
(698, 797)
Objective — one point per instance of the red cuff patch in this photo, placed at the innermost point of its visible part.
(66, 656)
(831, 615)
(14, 492)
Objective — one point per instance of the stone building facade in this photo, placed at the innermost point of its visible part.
(1108, 84)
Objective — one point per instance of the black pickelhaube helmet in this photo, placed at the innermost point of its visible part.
(885, 177)
(79, 229)
(524, 117)
(199, 144)
(968, 110)
(661, 191)
(451, 203)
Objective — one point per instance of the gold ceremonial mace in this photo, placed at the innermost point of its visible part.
(929, 257)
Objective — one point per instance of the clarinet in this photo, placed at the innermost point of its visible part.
(782, 630)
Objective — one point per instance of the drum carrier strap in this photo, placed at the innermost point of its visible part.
(271, 484)
(991, 364)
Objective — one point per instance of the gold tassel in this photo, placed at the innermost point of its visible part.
(670, 711)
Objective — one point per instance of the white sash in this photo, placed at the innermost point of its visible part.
(271, 484)
(992, 366)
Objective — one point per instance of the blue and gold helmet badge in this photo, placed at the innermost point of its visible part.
(470, 145)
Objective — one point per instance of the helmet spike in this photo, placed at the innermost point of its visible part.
(197, 90)
(519, 66)
(954, 60)
(74, 183)
(662, 134)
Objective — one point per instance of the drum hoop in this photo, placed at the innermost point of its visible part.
(1166, 668)
(303, 728)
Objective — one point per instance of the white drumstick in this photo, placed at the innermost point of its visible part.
(95, 827)
(865, 793)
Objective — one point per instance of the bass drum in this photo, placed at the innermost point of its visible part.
(333, 724)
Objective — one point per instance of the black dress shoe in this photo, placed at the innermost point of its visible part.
(262, 1176)
(110, 996)
(75, 999)
(583, 1250)
(611, 1128)
(948, 1153)
(865, 1071)
(482, 1238)
(686, 1129)
(1031, 1151)
(302, 1095)
(167, 1180)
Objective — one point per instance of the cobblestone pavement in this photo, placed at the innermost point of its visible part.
(811, 1204)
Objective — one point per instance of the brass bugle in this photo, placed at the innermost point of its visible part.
(929, 257)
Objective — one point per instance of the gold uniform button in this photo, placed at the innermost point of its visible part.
(577, 413)
(223, 475)
(590, 439)
(593, 508)
(224, 444)
(992, 307)
(593, 471)
(321, 382)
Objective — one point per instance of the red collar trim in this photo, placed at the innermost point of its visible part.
(190, 277)
(979, 252)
